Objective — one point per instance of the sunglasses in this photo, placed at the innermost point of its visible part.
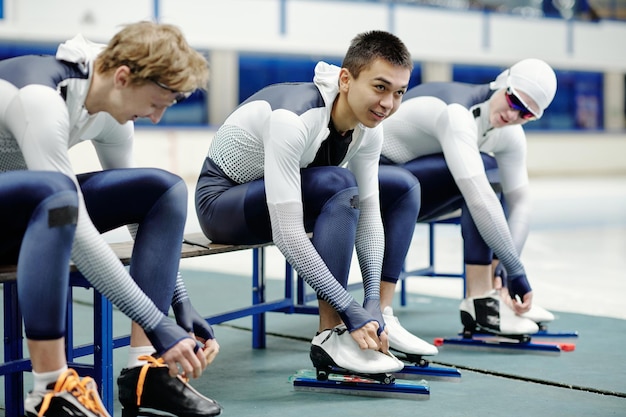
(180, 96)
(518, 104)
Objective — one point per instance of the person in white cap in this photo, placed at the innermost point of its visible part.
(466, 145)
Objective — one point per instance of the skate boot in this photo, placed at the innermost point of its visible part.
(150, 387)
(403, 341)
(491, 315)
(335, 350)
(539, 315)
(69, 396)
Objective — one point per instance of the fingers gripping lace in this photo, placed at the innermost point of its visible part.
(152, 362)
(84, 390)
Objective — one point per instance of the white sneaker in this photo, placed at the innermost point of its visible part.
(402, 340)
(489, 313)
(335, 347)
(538, 314)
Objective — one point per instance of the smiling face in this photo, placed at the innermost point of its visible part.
(371, 97)
(502, 114)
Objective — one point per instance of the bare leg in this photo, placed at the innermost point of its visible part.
(138, 336)
(328, 316)
(47, 355)
(387, 292)
(479, 280)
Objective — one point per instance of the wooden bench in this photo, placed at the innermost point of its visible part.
(194, 245)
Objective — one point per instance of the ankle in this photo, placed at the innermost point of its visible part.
(41, 380)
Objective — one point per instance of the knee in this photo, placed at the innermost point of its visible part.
(162, 183)
(162, 191)
(399, 185)
(56, 182)
(42, 186)
(335, 180)
(162, 179)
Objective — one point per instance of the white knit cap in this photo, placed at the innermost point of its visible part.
(533, 77)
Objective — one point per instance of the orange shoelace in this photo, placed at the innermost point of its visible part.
(84, 390)
(152, 362)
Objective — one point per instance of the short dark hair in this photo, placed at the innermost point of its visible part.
(367, 47)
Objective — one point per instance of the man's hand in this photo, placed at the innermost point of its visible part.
(185, 358)
(519, 307)
(189, 319)
(367, 337)
(211, 349)
(523, 306)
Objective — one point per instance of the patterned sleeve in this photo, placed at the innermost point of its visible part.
(370, 239)
(459, 143)
(284, 145)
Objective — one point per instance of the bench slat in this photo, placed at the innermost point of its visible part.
(194, 244)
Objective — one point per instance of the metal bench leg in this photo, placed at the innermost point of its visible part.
(429, 270)
(258, 296)
(103, 348)
(13, 349)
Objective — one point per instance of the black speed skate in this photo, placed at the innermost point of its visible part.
(151, 388)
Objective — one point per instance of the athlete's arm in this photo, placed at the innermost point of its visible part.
(44, 143)
(459, 144)
(114, 144)
(284, 146)
(510, 153)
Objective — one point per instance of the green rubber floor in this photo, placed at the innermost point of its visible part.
(590, 381)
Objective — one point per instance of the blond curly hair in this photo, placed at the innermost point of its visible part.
(155, 52)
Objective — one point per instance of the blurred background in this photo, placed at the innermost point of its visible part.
(253, 43)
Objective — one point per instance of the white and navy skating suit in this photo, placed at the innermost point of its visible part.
(441, 133)
(277, 170)
(42, 115)
(38, 212)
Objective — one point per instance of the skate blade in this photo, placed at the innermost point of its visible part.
(305, 380)
(546, 336)
(429, 373)
(145, 412)
(504, 345)
(542, 336)
(148, 412)
(565, 341)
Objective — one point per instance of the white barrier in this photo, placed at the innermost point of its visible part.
(182, 151)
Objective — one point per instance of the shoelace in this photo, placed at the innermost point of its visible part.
(339, 331)
(152, 362)
(81, 389)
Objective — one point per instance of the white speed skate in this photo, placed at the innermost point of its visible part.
(539, 315)
(402, 340)
(334, 350)
(490, 314)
